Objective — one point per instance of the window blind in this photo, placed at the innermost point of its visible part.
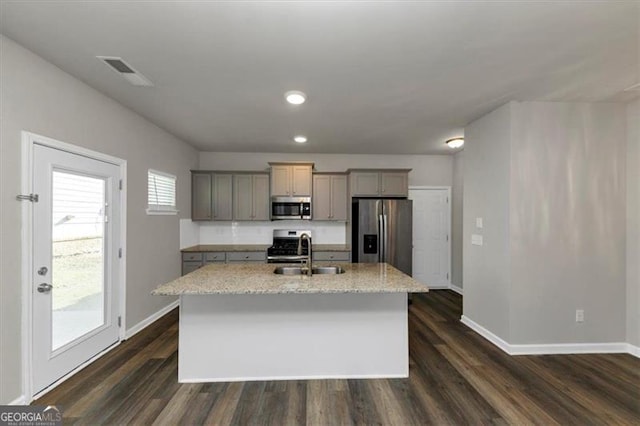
(162, 192)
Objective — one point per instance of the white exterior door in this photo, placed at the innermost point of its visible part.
(76, 231)
(431, 240)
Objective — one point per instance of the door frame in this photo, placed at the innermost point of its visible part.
(28, 141)
(449, 220)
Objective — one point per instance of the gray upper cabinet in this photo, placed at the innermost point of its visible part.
(201, 196)
(365, 184)
(339, 197)
(242, 197)
(251, 197)
(291, 180)
(211, 196)
(329, 197)
(222, 197)
(260, 197)
(280, 181)
(301, 180)
(379, 183)
(394, 184)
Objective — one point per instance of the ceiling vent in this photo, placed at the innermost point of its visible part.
(126, 71)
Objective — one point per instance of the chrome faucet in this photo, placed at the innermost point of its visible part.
(307, 237)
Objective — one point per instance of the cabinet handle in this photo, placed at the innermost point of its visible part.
(246, 257)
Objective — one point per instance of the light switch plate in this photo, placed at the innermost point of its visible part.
(479, 222)
(476, 240)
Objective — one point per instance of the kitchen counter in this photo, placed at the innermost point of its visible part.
(260, 279)
(257, 247)
(242, 322)
(225, 247)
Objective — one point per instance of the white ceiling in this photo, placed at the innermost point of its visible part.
(381, 77)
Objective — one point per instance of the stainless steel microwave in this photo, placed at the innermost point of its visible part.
(290, 208)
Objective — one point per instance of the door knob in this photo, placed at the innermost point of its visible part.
(44, 288)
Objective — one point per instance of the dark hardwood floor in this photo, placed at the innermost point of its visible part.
(456, 377)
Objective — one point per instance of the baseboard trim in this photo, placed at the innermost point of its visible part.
(150, 319)
(552, 348)
(21, 400)
(497, 341)
(456, 289)
(302, 377)
(439, 287)
(570, 348)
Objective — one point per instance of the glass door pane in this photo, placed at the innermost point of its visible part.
(78, 256)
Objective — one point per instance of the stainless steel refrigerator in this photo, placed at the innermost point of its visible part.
(382, 231)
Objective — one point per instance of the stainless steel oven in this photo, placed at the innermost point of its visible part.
(290, 208)
(285, 246)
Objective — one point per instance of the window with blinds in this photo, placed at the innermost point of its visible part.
(162, 193)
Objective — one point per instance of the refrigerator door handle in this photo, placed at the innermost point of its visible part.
(380, 239)
(385, 237)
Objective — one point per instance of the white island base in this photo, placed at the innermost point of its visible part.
(244, 337)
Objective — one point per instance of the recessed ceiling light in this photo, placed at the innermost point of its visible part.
(295, 97)
(300, 139)
(455, 142)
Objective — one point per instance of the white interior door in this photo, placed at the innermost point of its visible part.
(76, 231)
(431, 245)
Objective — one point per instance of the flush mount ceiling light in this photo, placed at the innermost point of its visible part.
(455, 142)
(295, 97)
(300, 139)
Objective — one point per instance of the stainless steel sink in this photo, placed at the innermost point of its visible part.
(327, 270)
(288, 270)
(296, 270)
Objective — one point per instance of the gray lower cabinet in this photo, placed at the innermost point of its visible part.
(191, 261)
(216, 257)
(194, 260)
(337, 256)
(251, 197)
(247, 257)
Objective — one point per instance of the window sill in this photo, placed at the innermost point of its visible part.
(162, 212)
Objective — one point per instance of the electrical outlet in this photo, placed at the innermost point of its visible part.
(579, 315)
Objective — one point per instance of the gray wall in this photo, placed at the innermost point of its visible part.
(633, 223)
(568, 222)
(434, 170)
(38, 97)
(486, 272)
(456, 221)
(549, 179)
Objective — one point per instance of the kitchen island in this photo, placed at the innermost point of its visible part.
(241, 322)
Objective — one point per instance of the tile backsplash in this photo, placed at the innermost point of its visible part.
(193, 233)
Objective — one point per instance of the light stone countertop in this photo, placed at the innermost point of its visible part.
(257, 247)
(258, 278)
(226, 247)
